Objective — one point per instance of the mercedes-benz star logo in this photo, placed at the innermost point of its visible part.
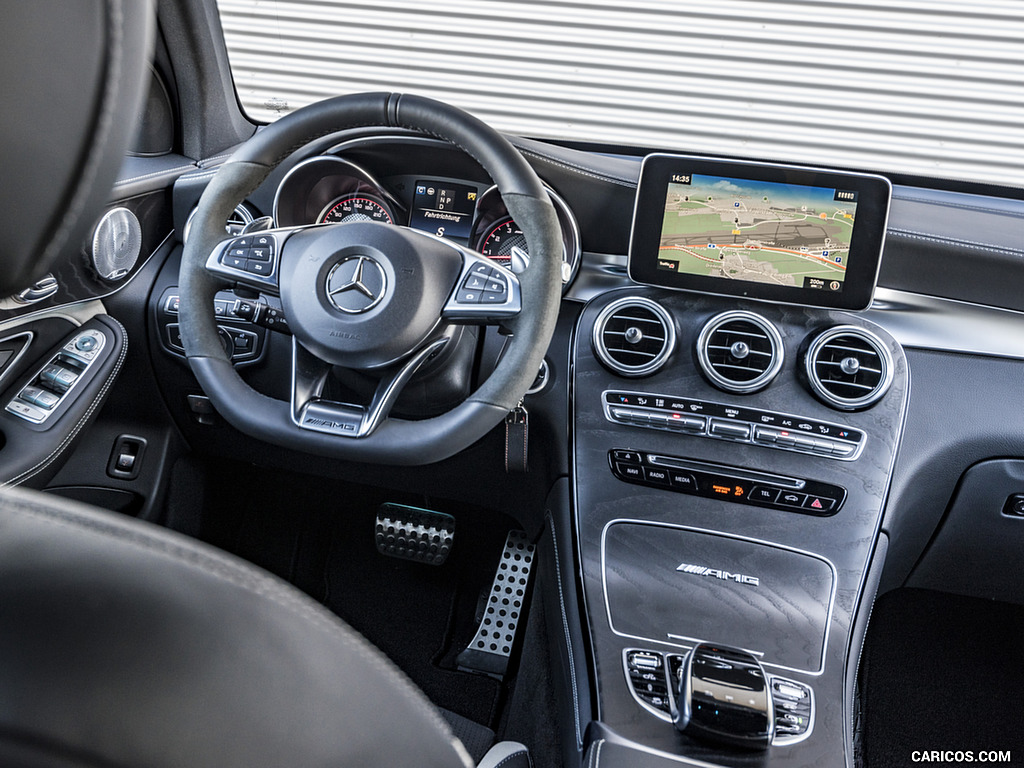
(356, 284)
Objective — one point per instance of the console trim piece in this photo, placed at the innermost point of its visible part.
(693, 640)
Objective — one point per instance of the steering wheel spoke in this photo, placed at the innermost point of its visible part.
(484, 292)
(252, 260)
(310, 410)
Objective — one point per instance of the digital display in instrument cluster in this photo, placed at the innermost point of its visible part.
(443, 209)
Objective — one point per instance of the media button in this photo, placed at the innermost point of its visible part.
(684, 481)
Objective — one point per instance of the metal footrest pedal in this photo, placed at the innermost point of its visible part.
(411, 533)
(489, 651)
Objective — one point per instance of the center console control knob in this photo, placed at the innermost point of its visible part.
(724, 696)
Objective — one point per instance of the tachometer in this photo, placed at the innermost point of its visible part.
(498, 237)
(356, 207)
(500, 241)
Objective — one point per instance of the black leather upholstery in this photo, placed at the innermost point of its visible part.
(71, 81)
(122, 644)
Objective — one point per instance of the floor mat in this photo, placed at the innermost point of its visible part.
(319, 535)
(942, 673)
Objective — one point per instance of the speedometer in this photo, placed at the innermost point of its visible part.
(356, 207)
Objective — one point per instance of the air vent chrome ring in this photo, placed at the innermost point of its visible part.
(874, 381)
(633, 335)
(743, 351)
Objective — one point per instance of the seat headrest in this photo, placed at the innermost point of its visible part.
(72, 77)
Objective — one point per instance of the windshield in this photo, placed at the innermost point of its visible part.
(922, 87)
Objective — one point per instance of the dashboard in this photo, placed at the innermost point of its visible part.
(753, 436)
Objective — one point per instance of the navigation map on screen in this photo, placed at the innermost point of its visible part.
(757, 231)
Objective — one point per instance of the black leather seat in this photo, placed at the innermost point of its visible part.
(123, 644)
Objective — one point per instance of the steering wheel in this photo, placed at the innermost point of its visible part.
(371, 297)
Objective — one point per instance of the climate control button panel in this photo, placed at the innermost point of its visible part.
(704, 418)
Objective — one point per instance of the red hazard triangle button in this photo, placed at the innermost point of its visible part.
(819, 503)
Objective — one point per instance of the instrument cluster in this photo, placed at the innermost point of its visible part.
(330, 189)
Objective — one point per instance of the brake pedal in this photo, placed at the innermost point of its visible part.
(489, 651)
(411, 533)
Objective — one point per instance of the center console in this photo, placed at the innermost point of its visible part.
(731, 459)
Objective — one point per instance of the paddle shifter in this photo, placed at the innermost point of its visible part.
(724, 696)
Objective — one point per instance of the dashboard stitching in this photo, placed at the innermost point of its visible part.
(85, 417)
(956, 242)
(578, 168)
(565, 629)
(206, 160)
(166, 171)
(596, 754)
(964, 206)
(200, 176)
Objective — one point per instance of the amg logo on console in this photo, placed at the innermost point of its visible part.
(703, 570)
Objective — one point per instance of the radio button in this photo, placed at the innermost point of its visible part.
(656, 475)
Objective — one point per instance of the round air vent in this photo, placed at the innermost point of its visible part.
(239, 218)
(740, 351)
(634, 336)
(848, 368)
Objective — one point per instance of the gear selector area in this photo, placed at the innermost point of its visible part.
(722, 695)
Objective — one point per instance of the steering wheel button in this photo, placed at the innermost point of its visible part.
(474, 282)
(487, 297)
(495, 286)
(468, 297)
(483, 270)
(258, 267)
(259, 253)
(263, 241)
(234, 262)
(242, 242)
(238, 253)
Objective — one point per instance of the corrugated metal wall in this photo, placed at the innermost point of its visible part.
(928, 87)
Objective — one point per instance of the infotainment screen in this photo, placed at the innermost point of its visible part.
(763, 231)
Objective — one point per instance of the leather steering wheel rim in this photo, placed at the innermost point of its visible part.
(395, 441)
